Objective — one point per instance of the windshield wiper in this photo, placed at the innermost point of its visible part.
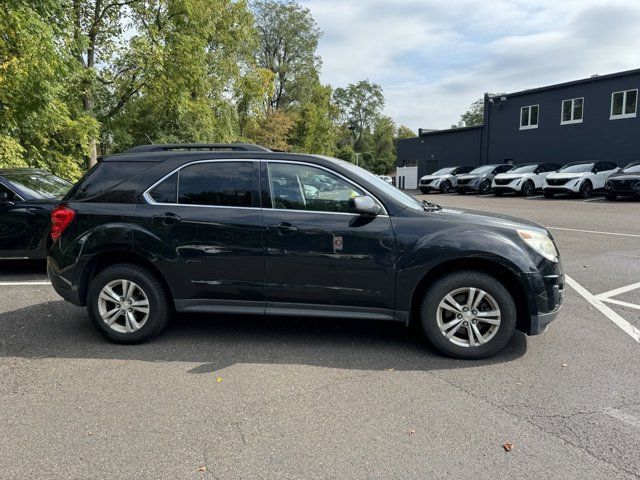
(430, 207)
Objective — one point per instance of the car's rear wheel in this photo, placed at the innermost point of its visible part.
(586, 189)
(445, 187)
(485, 187)
(528, 188)
(469, 315)
(128, 304)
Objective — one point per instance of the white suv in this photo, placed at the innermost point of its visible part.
(578, 177)
(444, 180)
(524, 179)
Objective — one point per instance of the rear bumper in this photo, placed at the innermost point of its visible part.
(62, 286)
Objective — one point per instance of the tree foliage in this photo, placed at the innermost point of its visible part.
(80, 78)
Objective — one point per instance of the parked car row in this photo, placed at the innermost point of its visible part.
(577, 178)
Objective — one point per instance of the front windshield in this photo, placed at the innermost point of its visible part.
(38, 184)
(444, 171)
(633, 167)
(483, 169)
(576, 168)
(524, 169)
(389, 189)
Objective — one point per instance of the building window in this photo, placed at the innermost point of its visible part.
(572, 111)
(624, 104)
(529, 117)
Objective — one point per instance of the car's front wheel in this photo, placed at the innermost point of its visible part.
(528, 188)
(128, 304)
(445, 187)
(469, 315)
(485, 187)
(586, 189)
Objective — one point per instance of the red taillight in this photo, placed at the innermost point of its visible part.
(61, 217)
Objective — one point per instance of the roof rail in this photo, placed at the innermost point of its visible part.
(168, 147)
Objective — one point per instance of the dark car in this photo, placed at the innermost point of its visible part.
(479, 179)
(27, 197)
(625, 183)
(233, 229)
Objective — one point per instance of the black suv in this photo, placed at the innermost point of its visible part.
(238, 228)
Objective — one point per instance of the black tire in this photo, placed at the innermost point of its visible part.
(159, 310)
(586, 189)
(611, 196)
(485, 187)
(528, 188)
(445, 187)
(548, 194)
(462, 279)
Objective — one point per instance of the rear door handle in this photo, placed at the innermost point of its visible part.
(284, 228)
(167, 218)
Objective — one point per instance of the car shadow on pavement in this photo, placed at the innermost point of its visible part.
(59, 330)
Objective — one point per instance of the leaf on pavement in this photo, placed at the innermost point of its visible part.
(202, 468)
(507, 447)
(218, 379)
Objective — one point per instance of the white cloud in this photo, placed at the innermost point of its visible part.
(434, 58)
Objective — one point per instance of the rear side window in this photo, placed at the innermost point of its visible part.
(105, 176)
(167, 191)
(227, 184)
(11, 196)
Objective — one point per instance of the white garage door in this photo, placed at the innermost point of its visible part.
(407, 178)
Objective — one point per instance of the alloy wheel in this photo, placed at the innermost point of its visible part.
(468, 317)
(123, 306)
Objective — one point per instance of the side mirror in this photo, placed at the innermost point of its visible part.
(364, 205)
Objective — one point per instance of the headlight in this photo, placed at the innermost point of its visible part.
(541, 243)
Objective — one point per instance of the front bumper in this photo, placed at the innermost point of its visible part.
(547, 287)
(562, 189)
(505, 189)
(427, 188)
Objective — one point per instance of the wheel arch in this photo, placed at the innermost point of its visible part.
(107, 258)
(501, 272)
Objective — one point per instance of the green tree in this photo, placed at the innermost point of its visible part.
(314, 130)
(405, 132)
(39, 125)
(288, 41)
(360, 105)
(383, 145)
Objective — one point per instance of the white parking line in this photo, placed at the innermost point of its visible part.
(629, 329)
(17, 284)
(486, 195)
(621, 303)
(534, 197)
(618, 291)
(597, 199)
(623, 417)
(594, 231)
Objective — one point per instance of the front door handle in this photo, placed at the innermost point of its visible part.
(33, 210)
(167, 218)
(284, 228)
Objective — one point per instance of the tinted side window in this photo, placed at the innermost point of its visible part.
(302, 187)
(12, 197)
(167, 191)
(227, 184)
(610, 165)
(105, 176)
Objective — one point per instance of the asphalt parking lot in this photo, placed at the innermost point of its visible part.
(242, 398)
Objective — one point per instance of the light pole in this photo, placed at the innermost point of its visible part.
(357, 155)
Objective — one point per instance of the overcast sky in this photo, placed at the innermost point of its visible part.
(433, 58)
